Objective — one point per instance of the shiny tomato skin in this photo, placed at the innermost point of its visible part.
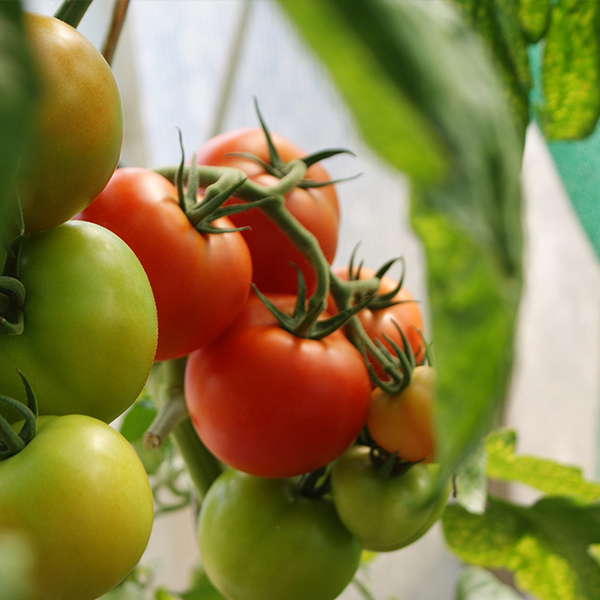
(90, 326)
(77, 125)
(379, 322)
(316, 209)
(384, 513)
(200, 281)
(79, 495)
(260, 539)
(272, 404)
(403, 423)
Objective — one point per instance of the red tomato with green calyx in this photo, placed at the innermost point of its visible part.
(316, 209)
(272, 404)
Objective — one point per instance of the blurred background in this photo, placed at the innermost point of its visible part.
(197, 66)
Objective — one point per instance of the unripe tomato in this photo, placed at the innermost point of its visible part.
(384, 513)
(77, 126)
(404, 422)
(80, 496)
(260, 539)
(90, 324)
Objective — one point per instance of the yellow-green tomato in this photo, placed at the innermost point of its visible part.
(384, 513)
(77, 125)
(79, 495)
(90, 324)
(260, 539)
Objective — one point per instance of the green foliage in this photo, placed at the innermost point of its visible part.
(475, 583)
(550, 546)
(571, 70)
(534, 17)
(18, 89)
(542, 474)
(498, 22)
(470, 221)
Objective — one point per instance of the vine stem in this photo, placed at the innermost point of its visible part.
(72, 11)
(166, 387)
(114, 31)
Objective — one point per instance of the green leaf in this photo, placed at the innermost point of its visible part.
(542, 474)
(128, 590)
(18, 89)
(497, 21)
(470, 222)
(534, 17)
(387, 117)
(471, 482)
(571, 70)
(475, 583)
(547, 546)
(138, 418)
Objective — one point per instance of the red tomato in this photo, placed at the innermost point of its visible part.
(200, 282)
(377, 323)
(316, 209)
(272, 404)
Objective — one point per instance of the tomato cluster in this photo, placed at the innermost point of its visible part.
(79, 327)
(312, 385)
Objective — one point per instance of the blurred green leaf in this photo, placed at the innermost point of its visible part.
(471, 482)
(470, 221)
(138, 418)
(534, 17)
(497, 21)
(542, 474)
(18, 90)
(547, 546)
(475, 583)
(128, 590)
(571, 70)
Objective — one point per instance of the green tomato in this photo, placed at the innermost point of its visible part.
(260, 539)
(77, 125)
(79, 495)
(384, 513)
(90, 324)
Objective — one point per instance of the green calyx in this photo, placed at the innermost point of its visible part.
(315, 484)
(12, 292)
(202, 213)
(280, 169)
(304, 321)
(388, 465)
(12, 442)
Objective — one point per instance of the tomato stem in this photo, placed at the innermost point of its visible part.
(72, 11)
(114, 30)
(165, 386)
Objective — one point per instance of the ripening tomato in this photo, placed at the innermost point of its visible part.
(403, 423)
(80, 496)
(260, 539)
(200, 281)
(379, 322)
(384, 513)
(77, 125)
(90, 324)
(316, 209)
(272, 404)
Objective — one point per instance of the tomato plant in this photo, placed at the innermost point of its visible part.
(77, 125)
(384, 512)
(260, 539)
(90, 324)
(315, 208)
(81, 496)
(403, 423)
(200, 281)
(381, 320)
(272, 404)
